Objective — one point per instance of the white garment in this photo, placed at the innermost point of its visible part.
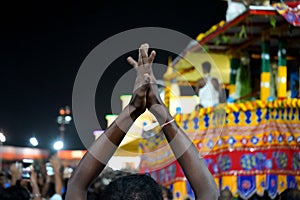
(234, 9)
(209, 96)
(56, 197)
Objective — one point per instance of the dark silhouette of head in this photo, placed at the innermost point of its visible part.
(166, 193)
(290, 194)
(226, 195)
(15, 193)
(133, 187)
(206, 67)
(2, 180)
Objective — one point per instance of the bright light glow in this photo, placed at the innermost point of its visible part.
(122, 162)
(68, 118)
(58, 145)
(33, 141)
(2, 137)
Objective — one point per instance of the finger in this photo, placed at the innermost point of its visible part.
(152, 56)
(146, 47)
(144, 54)
(140, 60)
(132, 62)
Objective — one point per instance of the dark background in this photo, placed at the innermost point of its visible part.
(43, 43)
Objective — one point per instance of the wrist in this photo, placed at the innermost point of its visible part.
(132, 111)
(161, 113)
(127, 117)
(35, 195)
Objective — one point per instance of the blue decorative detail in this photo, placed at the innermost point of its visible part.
(260, 160)
(224, 162)
(196, 121)
(267, 117)
(171, 188)
(230, 100)
(280, 138)
(290, 139)
(248, 117)
(215, 168)
(214, 121)
(190, 190)
(271, 98)
(177, 194)
(220, 142)
(291, 182)
(153, 175)
(210, 144)
(262, 184)
(226, 117)
(296, 161)
(288, 110)
(247, 162)
(281, 159)
(269, 164)
(178, 110)
(270, 138)
(246, 186)
(236, 117)
(258, 114)
(185, 126)
(277, 114)
(206, 120)
(231, 141)
(208, 162)
(290, 17)
(172, 171)
(293, 114)
(161, 175)
(254, 140)
(298, 139)
(272, 183)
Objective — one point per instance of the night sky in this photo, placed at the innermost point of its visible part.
(43, 44)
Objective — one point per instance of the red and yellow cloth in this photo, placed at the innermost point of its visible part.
(248, 147)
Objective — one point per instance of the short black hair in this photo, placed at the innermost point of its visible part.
(133, 187)
(290, 194)
(206, 66)
(226, 195)
(15, 193)
(167, 192)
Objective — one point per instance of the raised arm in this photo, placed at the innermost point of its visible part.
(184, 150)
(104, 147)
(55, 163)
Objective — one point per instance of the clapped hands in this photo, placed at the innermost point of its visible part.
(145, 93)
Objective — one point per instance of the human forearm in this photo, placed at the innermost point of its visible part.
(58, 181)
(35, 188)
(188, 156)
(191, 162)
(36, 192)
(99, 154)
